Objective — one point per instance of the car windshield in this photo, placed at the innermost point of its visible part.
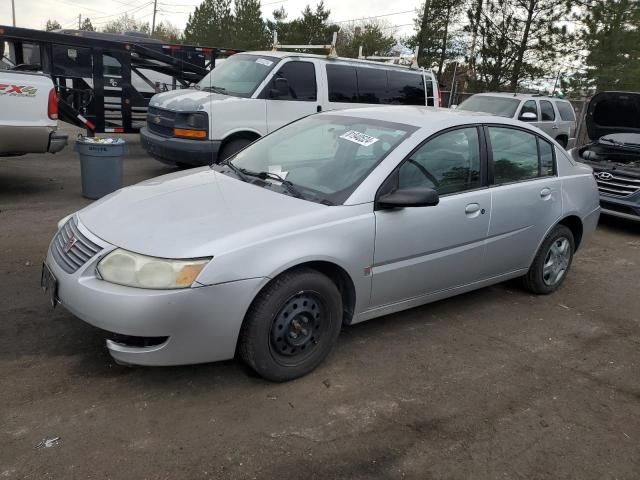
(323, 157)
(500, 106)
(239, 75)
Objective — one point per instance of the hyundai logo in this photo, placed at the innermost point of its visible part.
(603, 176)
(70, 243)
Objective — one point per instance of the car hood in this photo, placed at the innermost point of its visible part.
(190, 100)
(613, 112)
(197, 213)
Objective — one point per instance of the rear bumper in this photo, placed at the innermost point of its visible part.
(57, 142)
(178, 150)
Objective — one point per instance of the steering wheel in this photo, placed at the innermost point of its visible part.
(425, 172)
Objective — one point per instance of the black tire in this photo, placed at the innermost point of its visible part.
(563, 141)
(232, 147)
(266, 341)
(543, 281)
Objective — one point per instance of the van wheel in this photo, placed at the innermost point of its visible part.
(563, 141)
(552, 262)
(292, 325)
(232, 147)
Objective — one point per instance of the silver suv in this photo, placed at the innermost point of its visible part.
(553, 116)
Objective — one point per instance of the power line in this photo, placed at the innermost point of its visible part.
(375, 16)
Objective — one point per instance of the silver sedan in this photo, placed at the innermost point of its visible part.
(332, 220)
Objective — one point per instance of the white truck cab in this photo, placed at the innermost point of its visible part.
(251, 94)
(28, 114)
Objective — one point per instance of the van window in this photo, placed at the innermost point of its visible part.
(301, 78)
(546, 108)
(372, 85)
(566, 111)
(405, 88)
(343, 83)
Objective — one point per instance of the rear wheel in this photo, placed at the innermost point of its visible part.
(292, 325)
(552, 262)
(232, 147)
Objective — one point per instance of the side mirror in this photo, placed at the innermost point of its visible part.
(528, 117)
(280, 88)
(453, 107)
(409, 197)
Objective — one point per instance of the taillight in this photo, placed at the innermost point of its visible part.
(52, 106)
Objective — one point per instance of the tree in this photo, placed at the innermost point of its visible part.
(370, 35)
(87, 26)
(249, 31)
(433, 27)
(210, 24)
(167, 32)
(52, 25)
(610, 34)
(126, 23)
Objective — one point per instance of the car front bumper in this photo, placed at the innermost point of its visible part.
(200, 324)
(622, 207)
(179, 150)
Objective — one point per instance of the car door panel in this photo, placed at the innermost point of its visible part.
(428, 249)
(526, 199)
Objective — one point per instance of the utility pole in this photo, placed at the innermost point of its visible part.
(13, 11)
(153, 22)
(79, 21)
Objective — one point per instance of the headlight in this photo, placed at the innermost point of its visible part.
(64, 220)
(193, 125)
(134, 270)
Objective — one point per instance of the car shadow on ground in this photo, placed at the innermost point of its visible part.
(616, 224)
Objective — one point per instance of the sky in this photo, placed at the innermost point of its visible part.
(35, 13)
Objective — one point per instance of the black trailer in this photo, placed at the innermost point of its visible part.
(105, 81)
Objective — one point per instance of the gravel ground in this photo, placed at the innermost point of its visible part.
(492, 384)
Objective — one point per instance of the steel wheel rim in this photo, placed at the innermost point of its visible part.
(556, 261)
(298, 328)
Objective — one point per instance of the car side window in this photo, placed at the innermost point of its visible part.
(448, 163)
(300, 81)
(546, 108)
(530, 107)
(516, 157)
(343, 83)
(566, 111)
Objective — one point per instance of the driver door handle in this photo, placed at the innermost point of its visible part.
(472, 210)
(545, 193)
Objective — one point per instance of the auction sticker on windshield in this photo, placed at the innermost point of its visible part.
(359, 138)
(264, 61)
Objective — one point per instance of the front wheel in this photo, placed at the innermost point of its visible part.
(552, 262)
(292, 325)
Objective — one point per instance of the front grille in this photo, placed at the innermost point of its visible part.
(71, 249)
(161, 121)
(616, 184)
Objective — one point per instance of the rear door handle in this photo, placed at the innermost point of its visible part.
(545, 193)
(555, 126)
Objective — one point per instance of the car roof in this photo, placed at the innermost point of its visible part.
(518, 96)
(285, 54)
(431, 118)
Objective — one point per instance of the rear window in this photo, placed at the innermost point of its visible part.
(500, 106)
(350, 84)
(566, 111)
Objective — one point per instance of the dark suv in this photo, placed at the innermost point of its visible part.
(612, 123)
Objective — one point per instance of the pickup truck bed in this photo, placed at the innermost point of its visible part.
(28, 114)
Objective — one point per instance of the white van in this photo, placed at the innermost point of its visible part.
(254, 93)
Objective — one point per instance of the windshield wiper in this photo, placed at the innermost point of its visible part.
(291, 188)
(240, 172)
(215, 89)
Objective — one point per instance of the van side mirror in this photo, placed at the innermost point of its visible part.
(454, 106)
(409, 197)
(280, 88)
(528, 117)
